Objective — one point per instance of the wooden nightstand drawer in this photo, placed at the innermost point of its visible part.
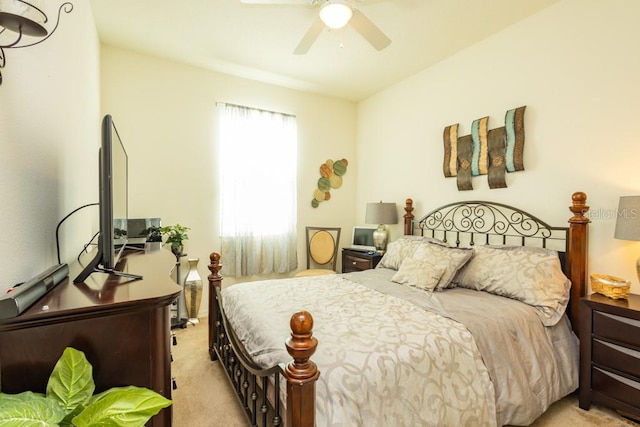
(353, 260)
(355, 263)
(616, 386)
(616, 357)
(619, 329)
(610, 353)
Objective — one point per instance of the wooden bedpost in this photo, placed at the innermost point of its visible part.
(408, 217)
(577, 260)
(215, 282)
(301, 374)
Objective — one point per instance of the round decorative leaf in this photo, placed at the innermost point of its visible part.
(340, 168)
(336, 181)
(326, 171)
(327, 195)
(318, 195)
(315, 203)
(324, 184)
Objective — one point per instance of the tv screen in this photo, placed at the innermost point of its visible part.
(113, 180)
(113, 193)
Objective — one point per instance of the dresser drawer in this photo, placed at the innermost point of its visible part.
(616, 357)
(620, 329)
(615, 386)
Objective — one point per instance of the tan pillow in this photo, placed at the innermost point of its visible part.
(419, 274)
(400, 249)
(531, 275)
(453, 259)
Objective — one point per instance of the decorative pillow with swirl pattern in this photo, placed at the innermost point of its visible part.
(531, 275)
(400, 249)
(453, 259)
(420, 274)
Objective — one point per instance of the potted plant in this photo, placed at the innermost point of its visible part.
(69, 400)
(176, 235)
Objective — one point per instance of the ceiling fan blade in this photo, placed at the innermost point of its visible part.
(276, 1)
(311, 35)
(369, 31)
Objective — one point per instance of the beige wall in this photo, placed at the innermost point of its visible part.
(49, 133)
(166, 115)
(573, 65)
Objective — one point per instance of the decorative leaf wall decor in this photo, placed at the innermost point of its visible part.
(331, 173)
(485, 151)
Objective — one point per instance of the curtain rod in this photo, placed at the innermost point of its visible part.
(253, 108)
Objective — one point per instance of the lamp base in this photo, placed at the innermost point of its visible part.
(380, 238)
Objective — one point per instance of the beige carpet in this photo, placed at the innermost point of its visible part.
(204, 399)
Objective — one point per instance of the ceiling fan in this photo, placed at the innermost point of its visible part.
(333, 14)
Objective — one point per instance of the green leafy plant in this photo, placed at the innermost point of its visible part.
(69, 400)
(176, 235)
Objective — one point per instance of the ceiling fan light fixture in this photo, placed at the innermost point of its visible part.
(335, 15)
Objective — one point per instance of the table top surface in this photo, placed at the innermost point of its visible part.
(108, 292)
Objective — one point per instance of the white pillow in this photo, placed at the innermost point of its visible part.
(531, 275)
(453, 259)
(420, 274)
(400, 249)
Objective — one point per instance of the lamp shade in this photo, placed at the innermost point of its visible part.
(381, 213)
(628, 218)
(335, 15)
(22, 17)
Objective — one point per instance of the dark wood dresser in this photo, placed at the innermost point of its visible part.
(610, 353)
(358, 260)
(122, 326)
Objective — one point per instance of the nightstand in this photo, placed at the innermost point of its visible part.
(610, 353)
(358, 260)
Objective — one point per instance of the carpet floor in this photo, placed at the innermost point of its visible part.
(203, 397)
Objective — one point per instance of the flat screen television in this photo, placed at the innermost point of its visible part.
(113, 202)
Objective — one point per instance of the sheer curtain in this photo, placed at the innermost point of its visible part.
(257, 166)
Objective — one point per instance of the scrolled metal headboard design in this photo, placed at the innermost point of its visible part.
(479, 222)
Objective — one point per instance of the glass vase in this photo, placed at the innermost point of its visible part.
(193, 290)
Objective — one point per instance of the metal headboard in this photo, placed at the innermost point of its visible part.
(471, 223)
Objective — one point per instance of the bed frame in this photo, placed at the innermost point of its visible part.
(461, 224)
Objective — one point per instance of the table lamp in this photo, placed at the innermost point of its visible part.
(628, 222)
(381, 214)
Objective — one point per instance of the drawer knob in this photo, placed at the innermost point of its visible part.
(354, 263)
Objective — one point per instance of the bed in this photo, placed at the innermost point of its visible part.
(471, 318)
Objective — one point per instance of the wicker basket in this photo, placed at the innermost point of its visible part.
(610, 286)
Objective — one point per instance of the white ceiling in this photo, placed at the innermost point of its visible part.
(256, 41)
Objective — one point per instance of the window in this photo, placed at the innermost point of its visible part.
(257, 175)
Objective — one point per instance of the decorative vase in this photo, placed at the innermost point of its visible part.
(193, 290)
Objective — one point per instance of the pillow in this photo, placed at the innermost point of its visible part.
(419, 274)
(453, 259)
(400, 249)
(530, 275)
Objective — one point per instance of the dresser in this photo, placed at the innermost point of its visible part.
(122, 326)
(358, 260)
(610, 353)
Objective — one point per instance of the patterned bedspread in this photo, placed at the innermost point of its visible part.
(393, 355)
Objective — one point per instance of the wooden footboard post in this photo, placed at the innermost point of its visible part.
(215, 282)
(301, 374)
(577, 246)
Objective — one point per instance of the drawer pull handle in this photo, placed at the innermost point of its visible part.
(354, 262)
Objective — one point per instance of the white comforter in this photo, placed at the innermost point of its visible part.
(393, 355)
